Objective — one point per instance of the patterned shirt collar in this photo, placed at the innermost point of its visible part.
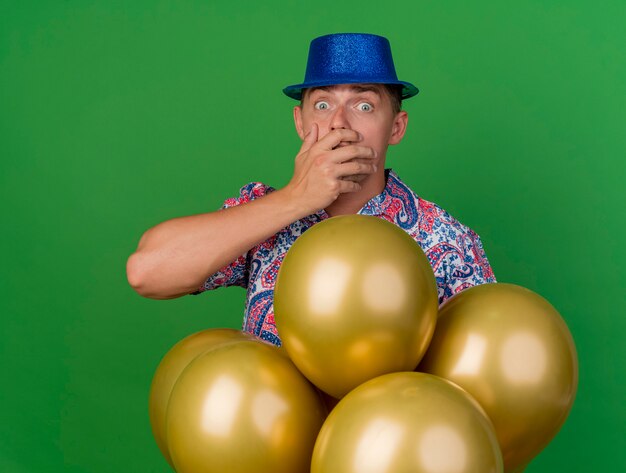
(379, 204)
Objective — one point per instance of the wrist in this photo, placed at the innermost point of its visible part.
(293, 204)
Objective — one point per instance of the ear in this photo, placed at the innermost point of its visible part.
(398, 128)
(297, 119)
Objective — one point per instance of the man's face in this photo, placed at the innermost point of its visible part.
(365, 108)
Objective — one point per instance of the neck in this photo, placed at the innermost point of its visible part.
(351, 202)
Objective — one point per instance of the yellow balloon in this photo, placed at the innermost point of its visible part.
(407, 423)
(511, 350)
(355, 298)
(243, 407)
(168, 371)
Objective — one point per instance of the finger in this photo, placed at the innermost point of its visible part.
(332, 139)
(355, 168)
(355, 177)
(310, 138)
(346, 187)
(347, 153)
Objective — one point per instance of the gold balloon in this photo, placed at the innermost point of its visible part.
(511, 350)
(170, 368)
(407, 423)
(243, 407)
(355, 298)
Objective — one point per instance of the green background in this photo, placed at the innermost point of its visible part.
(115, 116)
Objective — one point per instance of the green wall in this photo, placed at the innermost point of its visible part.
(116, 115)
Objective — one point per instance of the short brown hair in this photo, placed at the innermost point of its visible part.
(395, 95)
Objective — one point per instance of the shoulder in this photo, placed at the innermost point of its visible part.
(421, 217)
(433, 225)
(441, 233)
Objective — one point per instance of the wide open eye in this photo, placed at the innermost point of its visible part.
(365, 107)
(321, 105)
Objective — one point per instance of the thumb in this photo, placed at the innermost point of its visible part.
(310, 138)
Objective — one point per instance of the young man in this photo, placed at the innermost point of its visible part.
(349, 114)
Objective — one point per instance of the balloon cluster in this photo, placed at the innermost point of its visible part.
(356, 306)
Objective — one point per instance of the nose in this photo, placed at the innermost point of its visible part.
(339, 119)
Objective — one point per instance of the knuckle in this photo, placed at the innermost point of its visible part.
(319, 160)
(329, 172)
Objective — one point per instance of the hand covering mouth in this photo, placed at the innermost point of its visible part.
(342, 144)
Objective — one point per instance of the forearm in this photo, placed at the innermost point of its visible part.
(176, 256)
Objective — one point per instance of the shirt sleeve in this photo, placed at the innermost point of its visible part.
(237, 272)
